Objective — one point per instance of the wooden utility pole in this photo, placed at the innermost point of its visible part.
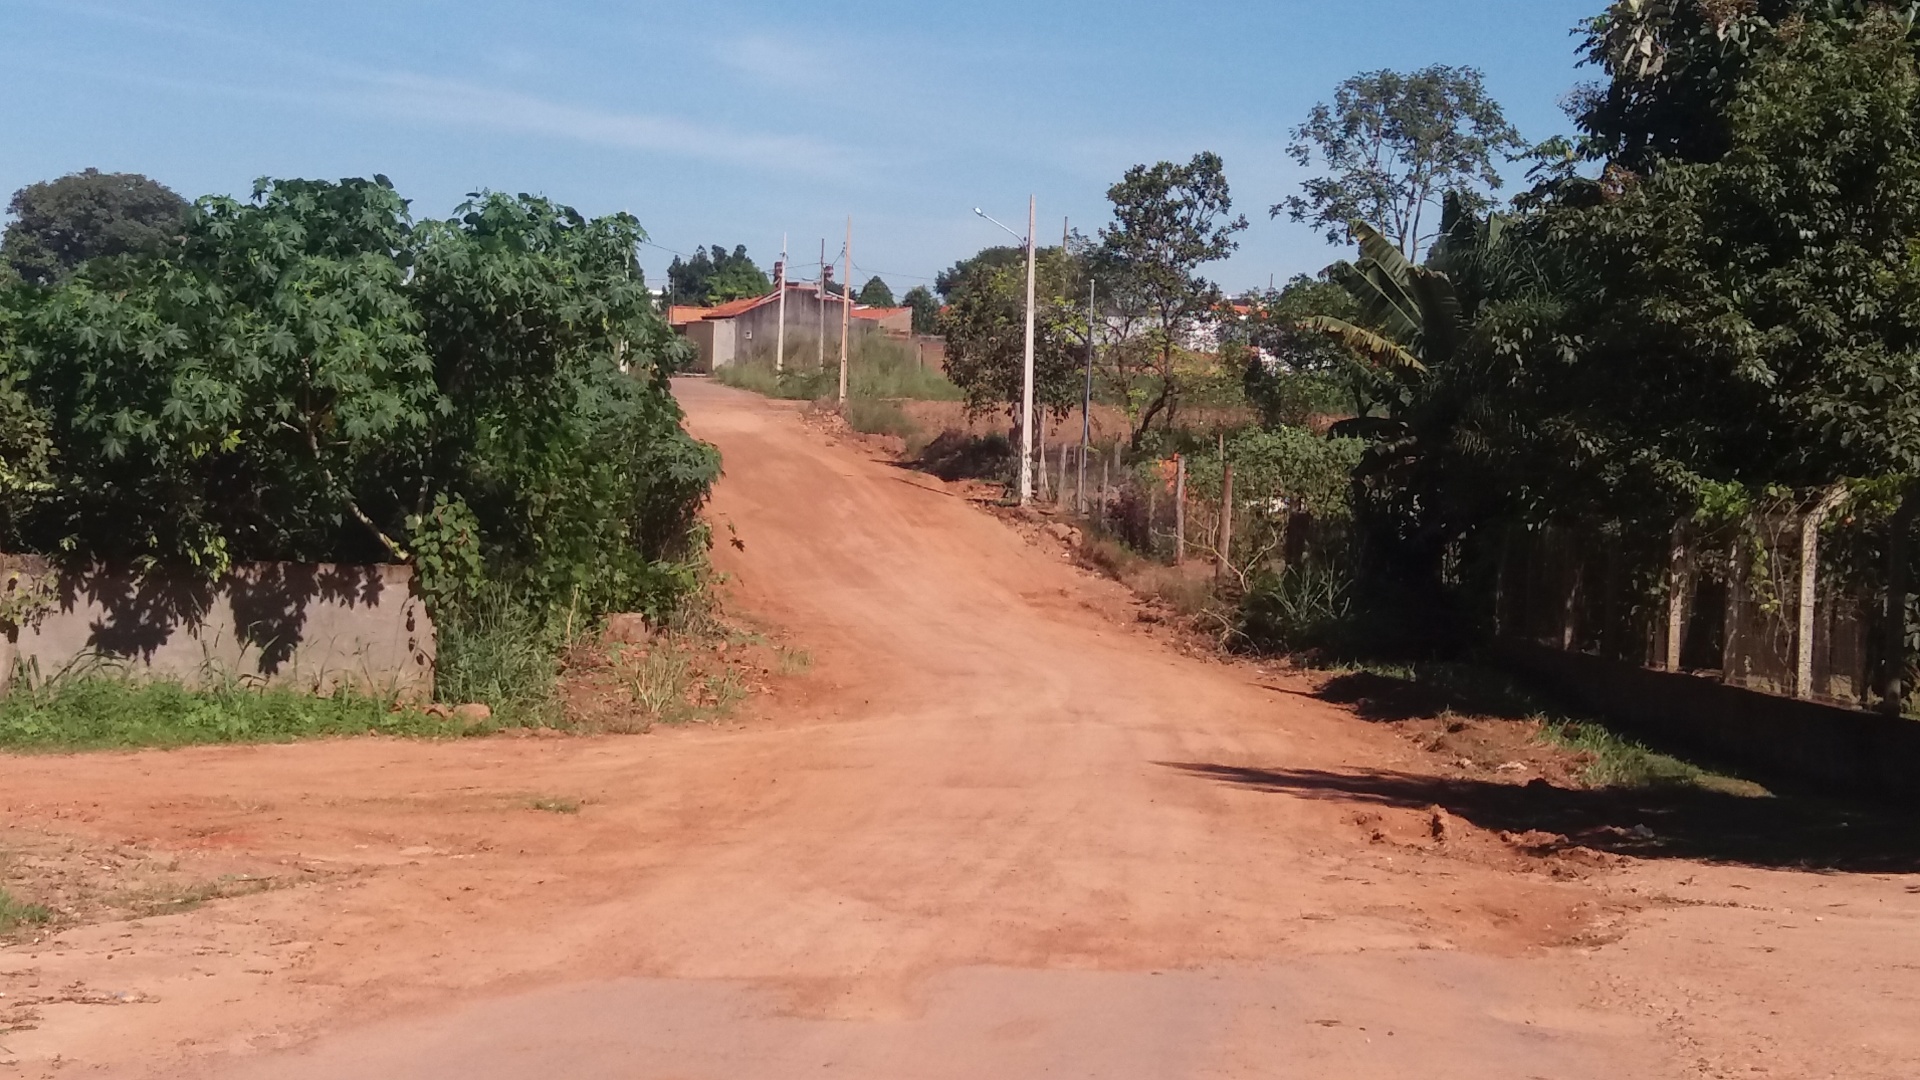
(780, 343)
(846, 313)
(820, 342)
(1179, 509)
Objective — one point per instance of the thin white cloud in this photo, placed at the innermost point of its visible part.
(772, 61)
(465, 104)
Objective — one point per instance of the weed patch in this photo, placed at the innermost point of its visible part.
(871, 416)
(150, 902)
(555, 805)
(15, 913)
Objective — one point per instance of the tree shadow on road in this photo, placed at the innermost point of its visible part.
(1677, 822)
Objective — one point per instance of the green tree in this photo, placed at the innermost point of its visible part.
(875, 293)
(1000, 256)
(59, 224)
(1393, 146)
(1169, 220)
(1673, 67)
(926, 309)
(985, 328)
(1753, 317)
(308, 376)
(1292, 373)
(715, 276)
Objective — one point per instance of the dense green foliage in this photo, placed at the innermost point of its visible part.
(1723, 319)
(715, 276)
(310, 376)
(59, 224)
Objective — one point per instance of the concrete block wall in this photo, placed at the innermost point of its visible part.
(311, 627)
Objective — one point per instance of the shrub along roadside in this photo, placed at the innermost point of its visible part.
(309, 376)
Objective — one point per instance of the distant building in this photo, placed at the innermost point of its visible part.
(726, 333)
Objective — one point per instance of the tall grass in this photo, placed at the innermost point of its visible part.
(878, 368)
(503, 652)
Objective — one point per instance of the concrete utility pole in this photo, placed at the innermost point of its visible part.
(846, 314)
(1086, 404)
(780, 346)
(1026, 380)
(820, 342)
(1026, 376)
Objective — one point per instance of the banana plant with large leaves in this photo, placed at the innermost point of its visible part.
(1409, 317)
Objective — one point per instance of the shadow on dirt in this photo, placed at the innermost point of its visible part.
(956, 455)
(1648, 823)
(1428, 691)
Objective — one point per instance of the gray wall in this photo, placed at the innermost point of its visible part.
(311, 627)
(1780, 740)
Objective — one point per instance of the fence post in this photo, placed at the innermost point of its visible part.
(1105, 479)
(1893, 683)
(1179, 509)
(1226, 509)
(1041, 450)
(1678, 584)
(1830, 501)
(1060, 493)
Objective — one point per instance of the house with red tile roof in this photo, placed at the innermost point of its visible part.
(725, 333)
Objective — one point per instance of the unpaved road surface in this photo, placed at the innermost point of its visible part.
(1000, 830)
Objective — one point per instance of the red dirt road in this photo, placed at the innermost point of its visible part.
(999, 831)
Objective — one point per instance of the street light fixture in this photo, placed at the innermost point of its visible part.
(1026, 378)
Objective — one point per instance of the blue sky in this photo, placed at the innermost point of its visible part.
(731, 123)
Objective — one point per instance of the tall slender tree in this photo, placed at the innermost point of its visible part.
(1393, 146)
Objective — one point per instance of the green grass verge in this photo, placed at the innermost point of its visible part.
(98, 712)
(1614, 760)
(15, 913)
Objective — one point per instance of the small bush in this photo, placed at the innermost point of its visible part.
(1301, 607)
